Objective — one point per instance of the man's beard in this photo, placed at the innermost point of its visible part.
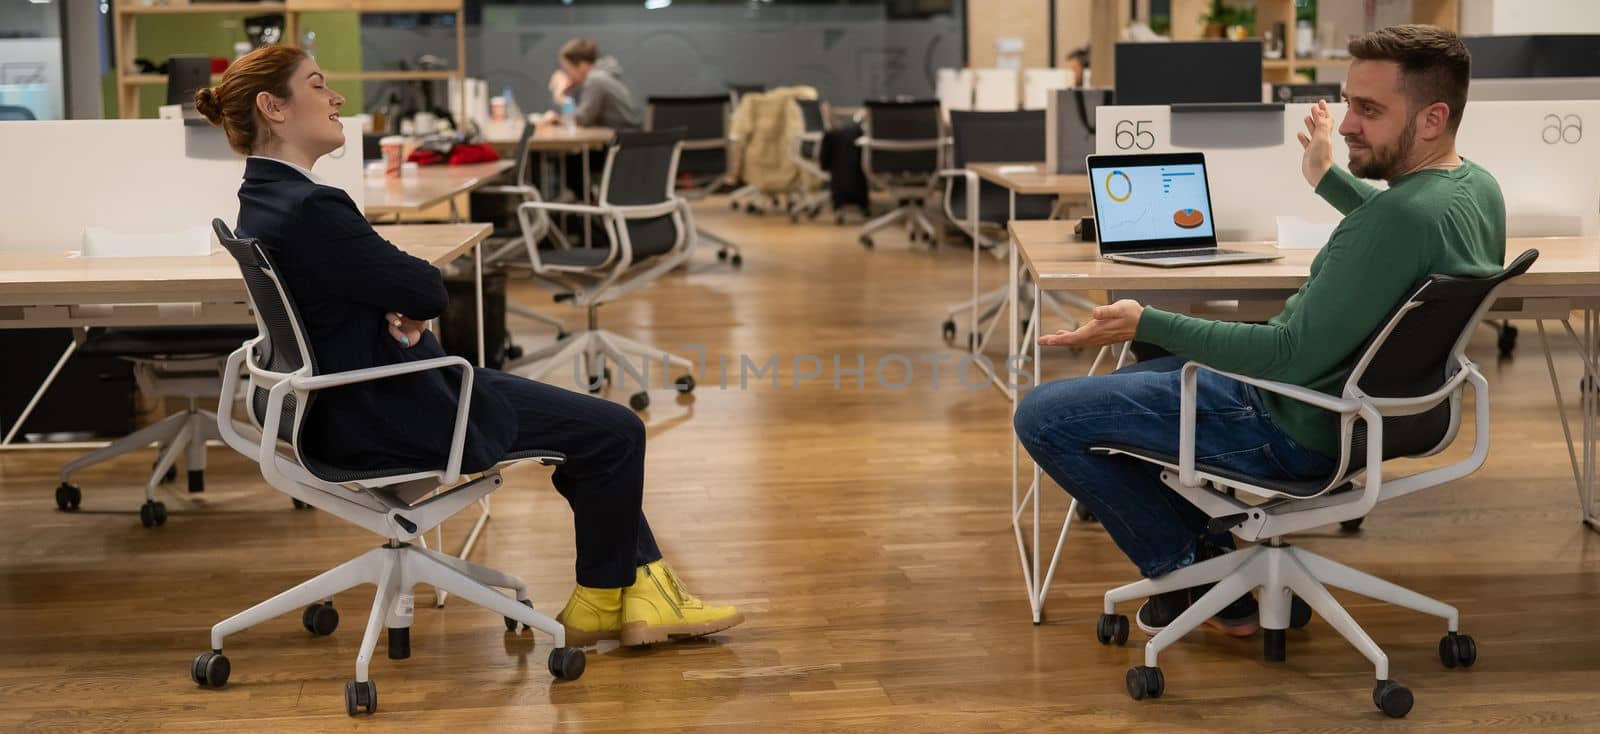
(1384, 163)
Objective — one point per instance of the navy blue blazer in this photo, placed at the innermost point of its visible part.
(344, 277)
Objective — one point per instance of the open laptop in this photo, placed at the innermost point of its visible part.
(1155, 209)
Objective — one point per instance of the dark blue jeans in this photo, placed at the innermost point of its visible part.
(1138, 406)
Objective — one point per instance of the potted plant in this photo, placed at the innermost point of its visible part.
(1222, 21)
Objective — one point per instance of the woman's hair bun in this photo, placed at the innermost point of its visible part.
(207, 104)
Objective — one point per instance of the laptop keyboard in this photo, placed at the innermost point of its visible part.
(1169, 254)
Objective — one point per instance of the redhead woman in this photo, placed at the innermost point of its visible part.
(365, 304)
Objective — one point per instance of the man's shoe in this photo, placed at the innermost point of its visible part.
(592, 615)
(657, 608)
(1238, 619)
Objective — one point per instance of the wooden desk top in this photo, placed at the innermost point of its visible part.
(31, 278)
(432, 185)
(1032, 182)
(1059, 262)
(547, 137)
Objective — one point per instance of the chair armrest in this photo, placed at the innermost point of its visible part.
(899, 145)
(708, 144)
(507, 189)
(552, 206)
(369, 374)
(1188, 409)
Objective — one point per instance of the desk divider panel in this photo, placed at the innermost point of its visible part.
(137, 176)
(1548, 169)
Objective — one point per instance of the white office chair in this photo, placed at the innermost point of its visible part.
(649, 230)
(805, 151)
(1038, 83)
(996, 90)
(1402, 399)
(276, 374)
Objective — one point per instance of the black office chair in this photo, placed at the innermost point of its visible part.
(9, 113)
(277, 373)
(1402, 400)
(901, 155)
(169, 362)
(994, 137)
(649, 231)
(805, 151)
(704, 121)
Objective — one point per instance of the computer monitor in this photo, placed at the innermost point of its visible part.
(1530, 57)
(1307, 92)
(1188, 72)
(185, 76)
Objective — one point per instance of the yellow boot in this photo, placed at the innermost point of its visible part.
(657, 608)
(592, 615)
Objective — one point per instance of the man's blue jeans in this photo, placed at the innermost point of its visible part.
(1138, 406)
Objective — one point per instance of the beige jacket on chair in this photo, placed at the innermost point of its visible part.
(763, 125)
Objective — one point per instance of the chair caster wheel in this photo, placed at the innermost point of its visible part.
(752, 209)
(298, 505)
(865, 241)
(1392, 698)
(1351, 526)
(597, 384)
(566, 663)
(210, 669)
(512, 624)
(1457, 650)
(639, 401)
(68, 497)
(733, 205)
(320, 619)
(838, 220)
(948, 331)
(515, 352)
(152, 514)
(684, 383)
(1112, 629)
(1299, 613)
(1082, 514)
(561, 334)
(197, 481)
(722, 255)
(360, 696)
(1145, 682)
(737, 260)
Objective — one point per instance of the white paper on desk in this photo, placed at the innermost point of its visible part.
(1019, 169)
(1295, 233)
(190, 241)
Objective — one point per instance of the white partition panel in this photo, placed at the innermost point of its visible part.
(996, 90)
(132, 176)
(1548, 169)
(1038, 83)
(954, 88)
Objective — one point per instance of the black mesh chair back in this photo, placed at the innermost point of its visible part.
(12, 113)
(524, 173)
(813, 123)
(997, 137)
(1414, 355)
(704, 122)
(641, 171)
(281, 348)
(916, 120)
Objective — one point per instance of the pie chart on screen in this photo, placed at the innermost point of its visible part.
(1188, 218)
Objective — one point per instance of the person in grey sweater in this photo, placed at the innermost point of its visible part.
(595, 84)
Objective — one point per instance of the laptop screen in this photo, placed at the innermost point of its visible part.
(1148, 202)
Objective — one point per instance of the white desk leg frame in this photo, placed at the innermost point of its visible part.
(1584, 469)
(440, 595)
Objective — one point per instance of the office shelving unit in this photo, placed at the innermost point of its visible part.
(125, 28)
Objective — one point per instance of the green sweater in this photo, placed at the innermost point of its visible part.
(1433, 221)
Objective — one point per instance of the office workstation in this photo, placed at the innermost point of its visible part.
(1022, 365)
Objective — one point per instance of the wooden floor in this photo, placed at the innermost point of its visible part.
(864, 532)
